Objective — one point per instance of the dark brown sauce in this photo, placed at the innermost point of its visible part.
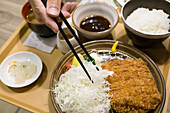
(95, 23)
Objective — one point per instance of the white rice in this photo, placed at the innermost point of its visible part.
(149, 21)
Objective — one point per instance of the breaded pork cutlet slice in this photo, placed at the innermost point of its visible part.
(133, 88)
(127, 69)
(140, 99)
(132, 83)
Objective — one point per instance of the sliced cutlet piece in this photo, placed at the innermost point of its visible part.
(127, 69)
(132, 83)
(135, 98)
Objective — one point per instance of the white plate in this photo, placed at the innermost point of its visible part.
(7, 79)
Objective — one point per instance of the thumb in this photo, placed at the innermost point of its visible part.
(53, 7)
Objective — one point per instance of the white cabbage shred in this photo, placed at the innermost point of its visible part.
(76, 94)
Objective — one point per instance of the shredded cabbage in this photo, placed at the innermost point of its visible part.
(76, 94)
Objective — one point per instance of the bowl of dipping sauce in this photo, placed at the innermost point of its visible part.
(37, 27)
(146, 21)
(95, 20)
(62, 44)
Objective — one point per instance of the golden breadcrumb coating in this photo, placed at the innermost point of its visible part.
(133, 88)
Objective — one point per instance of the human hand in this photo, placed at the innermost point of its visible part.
(53, 8)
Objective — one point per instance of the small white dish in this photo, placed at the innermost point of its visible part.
(69, 20)
(8, 80)
(62, 44)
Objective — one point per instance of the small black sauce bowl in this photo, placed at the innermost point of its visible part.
(40, 29)
(138, 38)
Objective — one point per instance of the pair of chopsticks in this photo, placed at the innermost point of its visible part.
(70, 45)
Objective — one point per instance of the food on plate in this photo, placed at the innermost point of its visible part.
(133, 88)
(97, 59)
(95, 23)
(149, 21)
(115, 46)
(22, 70)
(75, 61)
(68, 65)
(75, 93)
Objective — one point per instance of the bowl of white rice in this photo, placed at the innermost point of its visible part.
(147, 23)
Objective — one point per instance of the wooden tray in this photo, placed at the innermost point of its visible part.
(35, 97)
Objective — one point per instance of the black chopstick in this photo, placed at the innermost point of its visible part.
(72, 48)
(68, 42)
(74, 34)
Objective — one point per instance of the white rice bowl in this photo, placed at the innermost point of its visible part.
(154, 22)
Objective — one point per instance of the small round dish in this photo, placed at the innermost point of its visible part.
(62, 44)
(8, 80)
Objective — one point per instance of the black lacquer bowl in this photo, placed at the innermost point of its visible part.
(103, 47)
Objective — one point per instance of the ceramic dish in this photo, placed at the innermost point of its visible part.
(122, 2)
(140, 38)
(95, 8)
(8, 80)
(123, 51)
(62, 44)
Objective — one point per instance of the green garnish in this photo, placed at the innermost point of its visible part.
(88, 59)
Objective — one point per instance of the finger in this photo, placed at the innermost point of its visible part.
(68, 8)
(38, 9)
(51, 24)
(66, 14)
(41, 14)
(73, 6)
(53, 7)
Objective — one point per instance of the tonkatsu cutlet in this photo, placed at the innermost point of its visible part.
(133, 88)
(128, 68)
